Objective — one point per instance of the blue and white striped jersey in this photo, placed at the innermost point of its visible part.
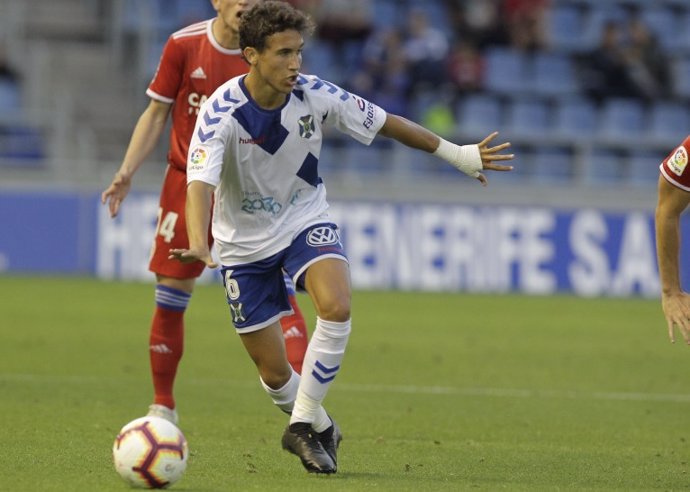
(264, 163)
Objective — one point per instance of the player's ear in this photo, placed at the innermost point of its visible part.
(251, 55)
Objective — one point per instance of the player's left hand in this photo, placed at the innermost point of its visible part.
(676, 309)
(490, 155)
(190, 256)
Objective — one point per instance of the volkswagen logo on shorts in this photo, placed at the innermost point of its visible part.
(322, 236)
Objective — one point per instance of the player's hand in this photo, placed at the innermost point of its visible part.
(116, 193)
(676, 309)
(490, 155)
(192, 255)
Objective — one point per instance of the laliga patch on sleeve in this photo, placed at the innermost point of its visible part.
(678, 160)
(198, 157)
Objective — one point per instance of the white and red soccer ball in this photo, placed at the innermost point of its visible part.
(150, 452)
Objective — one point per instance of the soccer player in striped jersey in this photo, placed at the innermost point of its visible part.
(195, 61)
(673, 198)
(256, 148)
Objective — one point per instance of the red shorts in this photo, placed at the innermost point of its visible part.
(171, 231)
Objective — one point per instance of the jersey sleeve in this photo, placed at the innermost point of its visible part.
(674, 167)
(168, 77)
(206, 149)
(354, 115)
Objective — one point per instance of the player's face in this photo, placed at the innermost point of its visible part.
(230, 11)
(279, 63)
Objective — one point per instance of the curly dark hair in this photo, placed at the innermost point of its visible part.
(269, 17)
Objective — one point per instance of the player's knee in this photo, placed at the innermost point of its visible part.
(339, 310)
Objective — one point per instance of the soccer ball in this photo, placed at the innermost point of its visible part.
(150, 452)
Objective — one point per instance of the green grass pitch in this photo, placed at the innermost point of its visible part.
(437, 392)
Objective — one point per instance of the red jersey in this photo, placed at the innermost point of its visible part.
(675, 167)
(191, 67)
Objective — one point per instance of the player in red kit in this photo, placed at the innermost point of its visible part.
(195, 61)
(673, 199)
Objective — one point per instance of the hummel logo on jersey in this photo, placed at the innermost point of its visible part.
(292, 332)
(198, 73)
(161, 348)
(322, 236)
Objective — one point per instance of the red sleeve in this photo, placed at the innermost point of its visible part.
(168, 78)
(675, 166)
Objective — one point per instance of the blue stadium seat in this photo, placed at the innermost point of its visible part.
(575, 117)
(605, 167)
(622, 119)
(600, 13)
(480, 113)
(10, 95)
(663, 23)
(528, 117)
(387, 13)
(681, 77)
(643, 168)
(506, 71)
(553, 74)
(555, 166)
(565, 25)
(669, 121)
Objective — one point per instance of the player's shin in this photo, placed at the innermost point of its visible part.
(321, 364)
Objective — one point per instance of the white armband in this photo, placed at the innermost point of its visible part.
(465, 158)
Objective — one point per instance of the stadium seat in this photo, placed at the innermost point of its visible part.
(553, 74)
(554, 166)
(605, 167)
(681, 77)
(506, 71)
(669, 121)
(528, 117)
(479, 113)
(575, 117)
(10, 95)
(565, 25)
(643, 168)
(662, 22)
(622, 119)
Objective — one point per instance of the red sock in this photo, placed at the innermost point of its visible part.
(296, 336)
(166, 344)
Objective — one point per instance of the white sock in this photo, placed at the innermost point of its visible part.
(284, 397)
(321, 364)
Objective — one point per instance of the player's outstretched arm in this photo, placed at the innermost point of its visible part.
(198, 217)
(470, 159)
(145, 136)
(675, 303)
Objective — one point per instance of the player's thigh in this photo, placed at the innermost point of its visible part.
(328, 283)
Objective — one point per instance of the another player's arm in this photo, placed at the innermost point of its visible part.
(672, 201)
(198, 217)
(145, 137)
(469, 159)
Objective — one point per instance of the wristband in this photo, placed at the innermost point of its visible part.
(465, 158)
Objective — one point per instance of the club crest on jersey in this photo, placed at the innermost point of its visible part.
(322, 236)
(678, 161)
(237, 312)
(306, 126)
(198, 156)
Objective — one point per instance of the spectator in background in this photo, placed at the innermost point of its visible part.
(426, 49)
(465, 67)
(10, 83)
(343, 25)
(525, 23)
(384, 76)
(477, 21)
(605, 71)
(647, 63)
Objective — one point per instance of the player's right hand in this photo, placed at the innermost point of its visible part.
(676, 309)
(191, 255)
(116, 193)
